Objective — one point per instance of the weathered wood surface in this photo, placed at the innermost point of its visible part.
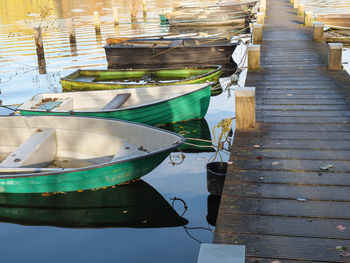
(277, 200)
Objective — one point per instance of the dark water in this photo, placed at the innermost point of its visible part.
(20, 80)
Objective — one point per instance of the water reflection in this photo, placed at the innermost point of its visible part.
(136, 205)
(196, 133)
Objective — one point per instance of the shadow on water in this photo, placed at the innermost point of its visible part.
(135, 205)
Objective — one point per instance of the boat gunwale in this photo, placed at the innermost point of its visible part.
(209, 84)
(216, 68)
(97, 166)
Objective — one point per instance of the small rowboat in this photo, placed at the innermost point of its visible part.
(82, 80)
(170, 52)
(57, 153)
(148, 105)
(136, 205)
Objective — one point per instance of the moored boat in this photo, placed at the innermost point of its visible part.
(57, 153)
(179, 52)
(83, 80)
(148, 105)
(135, 205)
(335, 20)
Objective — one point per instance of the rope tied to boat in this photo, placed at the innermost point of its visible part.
(226, 128)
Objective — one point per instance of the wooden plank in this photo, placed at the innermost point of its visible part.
(117, 101)
(284, 247)
(287, 153)
(303, 119)
(291, 165)
(38, 150)
(285, 177)
(278, 225)
(284, 207)
(288, 191)
(304, 113)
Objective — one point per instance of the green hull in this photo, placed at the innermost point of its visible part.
(82, 179)
(188, 106)
(83, 80)
(136, 205)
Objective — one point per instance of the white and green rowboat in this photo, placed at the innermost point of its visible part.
(148, 105)
(60, 153)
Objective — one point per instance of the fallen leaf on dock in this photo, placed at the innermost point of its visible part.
(341, 248)
(276, 163)
(341, 228)
(301, 199)
(256, 146)
(326, 167)
(275, 261)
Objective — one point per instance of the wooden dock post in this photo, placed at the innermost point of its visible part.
(260, 18)
(308, 18)
(335, 56)
(292, 2)
(144, 8)
(253, 57)
(257, 33)
(115, 15)
(301, 9)
(97, 23)
(71, 31)
(318, 31)
(296, 3)
(262, 6)
(40, 50)
(245, 108)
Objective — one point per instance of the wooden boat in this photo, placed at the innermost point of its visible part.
(149, 105)
(337, 20)
(179, 52)
(57, 153)
(82, 80)
(135, 205)
(196, 133)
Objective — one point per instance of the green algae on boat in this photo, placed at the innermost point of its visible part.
(84, 80)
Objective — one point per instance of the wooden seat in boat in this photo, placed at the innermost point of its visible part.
(38, 150)
(117, 101)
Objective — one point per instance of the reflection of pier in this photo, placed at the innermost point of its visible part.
(136, 205)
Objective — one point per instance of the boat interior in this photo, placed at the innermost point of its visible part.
(50, 143)
(106, 99)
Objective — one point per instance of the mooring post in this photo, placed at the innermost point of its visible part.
(301, 9)
(292, 2)
(97, 23)
(144, 8)
(260, 18)
(262, 6)
(71, 31)
(296, 3)
(245, 108)
(40, 50)
(308, 18)
(257, 33)
(253, 57)
(318, 31)
(335, 56)
(115, 15)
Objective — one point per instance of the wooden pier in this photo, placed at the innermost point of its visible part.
(287, 190)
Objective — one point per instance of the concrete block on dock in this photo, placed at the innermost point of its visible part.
(257, 33)
(335, 56)
(308, 18)
(253, 57)
(221, 253)
(245, 108)
(318, 31)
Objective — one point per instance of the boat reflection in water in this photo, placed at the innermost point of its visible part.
(134, 205)
(196, 132)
